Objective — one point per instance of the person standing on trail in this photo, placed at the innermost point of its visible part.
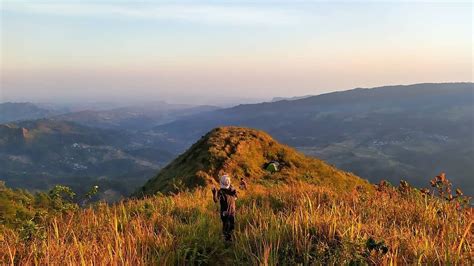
(243, 184)
(226, 196)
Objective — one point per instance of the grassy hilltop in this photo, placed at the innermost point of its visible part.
(308, 213)
(243, 152)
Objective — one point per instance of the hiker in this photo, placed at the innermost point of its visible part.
(226, 195)
(243, 184)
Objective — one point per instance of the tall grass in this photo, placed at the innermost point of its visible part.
(286, 224)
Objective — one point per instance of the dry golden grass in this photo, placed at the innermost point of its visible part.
(243, 152)
(286, 224)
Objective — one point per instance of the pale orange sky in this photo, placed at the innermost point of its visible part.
(202, 51)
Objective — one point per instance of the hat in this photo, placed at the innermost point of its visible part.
(225, 181)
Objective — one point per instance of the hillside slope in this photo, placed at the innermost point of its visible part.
(309, 213)
(10, 112)
(395, 132)
(297, 224)
(243, 152)
(38, 154)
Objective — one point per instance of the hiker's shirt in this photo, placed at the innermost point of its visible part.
(226, 198)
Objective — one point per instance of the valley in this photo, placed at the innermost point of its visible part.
(389, 133)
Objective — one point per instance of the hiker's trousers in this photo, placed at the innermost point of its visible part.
(228, 222)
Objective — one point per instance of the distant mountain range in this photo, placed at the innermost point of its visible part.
(48, 145)
(41, 153)
(133, 117)
(22, 111)
(394, 132)
(277, 99)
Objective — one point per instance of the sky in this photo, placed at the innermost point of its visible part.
(211, 51)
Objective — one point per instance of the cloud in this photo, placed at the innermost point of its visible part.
(206, 13)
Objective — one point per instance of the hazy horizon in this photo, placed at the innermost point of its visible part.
(204, 52)
(191, 100)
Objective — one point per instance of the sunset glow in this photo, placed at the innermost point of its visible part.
(73, 50)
